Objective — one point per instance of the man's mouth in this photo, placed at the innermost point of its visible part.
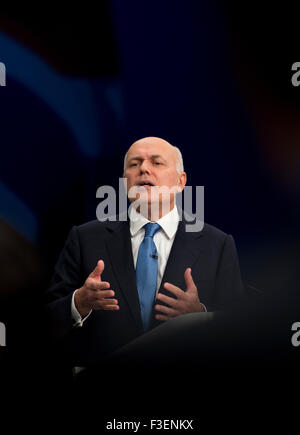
(145, 183)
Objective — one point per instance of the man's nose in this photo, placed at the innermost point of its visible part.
(145, 167)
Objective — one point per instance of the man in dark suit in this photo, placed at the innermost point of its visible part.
(116, 280)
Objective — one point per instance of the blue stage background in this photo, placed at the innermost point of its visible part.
(212, 78)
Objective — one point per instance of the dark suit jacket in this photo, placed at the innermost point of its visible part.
(210, 253)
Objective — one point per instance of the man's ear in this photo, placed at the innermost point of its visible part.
(182, 180)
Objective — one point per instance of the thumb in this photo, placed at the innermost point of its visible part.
(190, 285)
(98, 270)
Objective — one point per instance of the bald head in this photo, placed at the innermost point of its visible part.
(159, 144)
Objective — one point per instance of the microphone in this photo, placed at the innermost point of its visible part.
(155, 256)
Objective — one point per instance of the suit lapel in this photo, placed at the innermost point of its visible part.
(184, 252)
(120, 252)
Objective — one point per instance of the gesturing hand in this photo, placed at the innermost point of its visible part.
(94, 294)
(185, 302)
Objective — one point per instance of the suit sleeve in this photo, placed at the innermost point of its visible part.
(230, 290)
(66, 279)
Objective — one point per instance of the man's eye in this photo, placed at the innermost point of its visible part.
(133, 164)
(158, 163)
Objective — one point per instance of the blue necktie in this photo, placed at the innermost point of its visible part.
(146, 273)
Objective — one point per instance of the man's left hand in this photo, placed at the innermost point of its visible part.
(184, 302)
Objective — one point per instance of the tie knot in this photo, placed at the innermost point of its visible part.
(151, 228)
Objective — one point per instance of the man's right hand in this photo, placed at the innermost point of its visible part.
(95, 294)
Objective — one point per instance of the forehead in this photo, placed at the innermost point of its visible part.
(147, 149)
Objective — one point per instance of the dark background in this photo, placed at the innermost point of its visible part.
(83, 82)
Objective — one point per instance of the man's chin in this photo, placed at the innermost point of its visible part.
(152, 210)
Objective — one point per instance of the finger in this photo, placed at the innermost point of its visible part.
(108, 301)
(167, 300)
(111, 307)
(173, 289)
(162, 317)
(96, 274)
(170, 312)
(101, 294)
(103, 304)
(93, 284)
(190, 285)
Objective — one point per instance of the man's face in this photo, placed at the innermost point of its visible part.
(152, 162)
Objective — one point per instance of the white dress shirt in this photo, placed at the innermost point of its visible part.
(163, 240)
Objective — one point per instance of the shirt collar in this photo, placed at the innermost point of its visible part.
(168, 223)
